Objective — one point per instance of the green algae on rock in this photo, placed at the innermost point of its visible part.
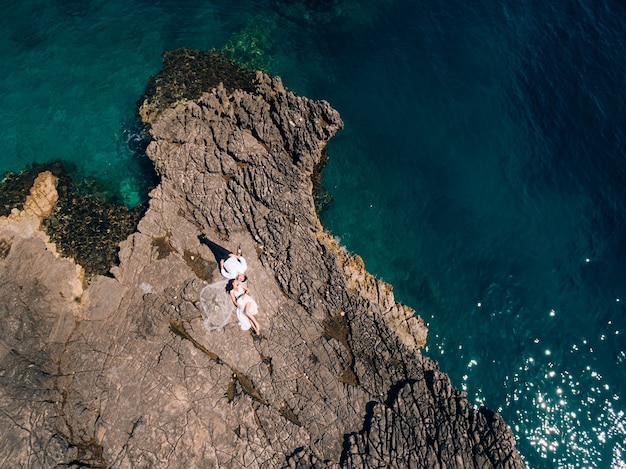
(15, 187)
(186, 74)
(84, 226)
(89, 229)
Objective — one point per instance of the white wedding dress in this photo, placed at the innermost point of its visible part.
(242, 300)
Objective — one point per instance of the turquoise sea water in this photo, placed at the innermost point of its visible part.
(482, 169)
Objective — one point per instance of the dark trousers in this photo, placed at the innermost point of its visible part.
(220, 252)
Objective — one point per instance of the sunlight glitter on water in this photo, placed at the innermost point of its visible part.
(554, 425)
(562, 403)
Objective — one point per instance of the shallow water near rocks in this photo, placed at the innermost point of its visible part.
(481, 170)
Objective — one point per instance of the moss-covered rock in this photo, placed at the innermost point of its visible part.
(186, 74)
(84, 224)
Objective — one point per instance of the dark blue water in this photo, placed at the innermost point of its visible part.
(482, 169)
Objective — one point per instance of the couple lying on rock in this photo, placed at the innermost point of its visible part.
(233, 267)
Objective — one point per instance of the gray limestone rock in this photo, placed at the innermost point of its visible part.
(125, 374)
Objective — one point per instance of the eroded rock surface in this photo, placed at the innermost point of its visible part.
(127, 376)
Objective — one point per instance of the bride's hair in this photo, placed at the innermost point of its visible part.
(229, 285)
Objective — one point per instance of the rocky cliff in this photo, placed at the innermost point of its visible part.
(121, 372)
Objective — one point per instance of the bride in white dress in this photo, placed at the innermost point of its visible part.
(246, 306)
